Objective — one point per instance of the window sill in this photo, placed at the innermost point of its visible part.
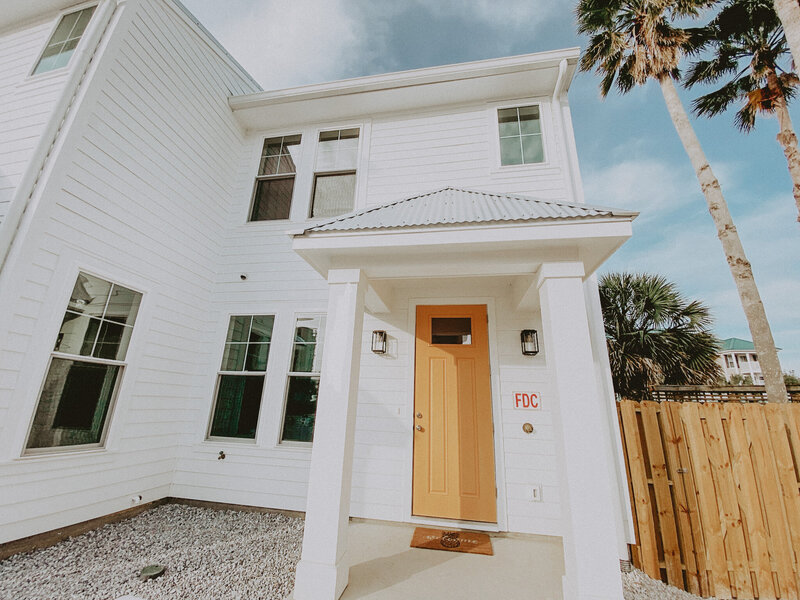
(64, 453)
(290, 445)
(499, 169)
(40, 77)
(221, 441)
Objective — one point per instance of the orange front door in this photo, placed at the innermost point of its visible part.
(453, 433)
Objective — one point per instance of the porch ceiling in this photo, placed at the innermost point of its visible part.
(456, 233)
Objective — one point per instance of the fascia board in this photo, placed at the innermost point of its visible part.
(464, 235)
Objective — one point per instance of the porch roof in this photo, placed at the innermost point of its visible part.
(454, 232)
(450, 206)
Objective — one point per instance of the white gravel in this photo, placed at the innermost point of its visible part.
(209, 555)
(639, 586)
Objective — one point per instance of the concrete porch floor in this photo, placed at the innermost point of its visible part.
(384, 567)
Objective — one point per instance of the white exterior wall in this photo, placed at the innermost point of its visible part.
(417, 153)
(27, 102)
(136, 195)
(399, 156)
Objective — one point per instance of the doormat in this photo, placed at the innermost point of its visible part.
(455, 541)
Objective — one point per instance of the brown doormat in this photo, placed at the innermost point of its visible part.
(455, 541)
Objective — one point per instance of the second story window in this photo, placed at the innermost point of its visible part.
(61, 45)
(520, 135)
(335, 173)
(272, 199)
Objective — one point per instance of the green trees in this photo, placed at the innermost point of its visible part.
(654, 335)
(748, 45)
(632, 42)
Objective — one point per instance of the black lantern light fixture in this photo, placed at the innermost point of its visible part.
(530, 342)
(379, 342)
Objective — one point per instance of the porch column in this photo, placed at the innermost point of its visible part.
(322, 573)
(587, 486)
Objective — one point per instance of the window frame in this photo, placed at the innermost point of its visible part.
(220, 372)
(362, 131)
(63, 13)
(258, 178)
(544, 118)
(57, 319)
(288, 374)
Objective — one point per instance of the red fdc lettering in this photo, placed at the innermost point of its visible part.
(526, 400)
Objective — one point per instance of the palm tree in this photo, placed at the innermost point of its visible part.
(789, 13)
(633, 41)
(747, 42)
(654, 335)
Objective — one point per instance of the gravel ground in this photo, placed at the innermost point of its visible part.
(209, 555)
(639, 586)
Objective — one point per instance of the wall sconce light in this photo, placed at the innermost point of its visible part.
(379, 342)
(530, 342)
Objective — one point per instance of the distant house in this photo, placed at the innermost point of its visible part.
(738, 357)
(374, 296)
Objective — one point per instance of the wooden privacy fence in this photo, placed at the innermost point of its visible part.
(716, 495)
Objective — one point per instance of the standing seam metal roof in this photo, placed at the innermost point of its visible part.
(451, 205)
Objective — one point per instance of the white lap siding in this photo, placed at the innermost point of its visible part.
(414, 154)
(27, 102)
(138, 194)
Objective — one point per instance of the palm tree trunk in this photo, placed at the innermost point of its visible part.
(789, 13)
(731, 245)
(786, 136)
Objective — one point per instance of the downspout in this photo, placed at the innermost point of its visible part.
(36, 165)
(558, 92)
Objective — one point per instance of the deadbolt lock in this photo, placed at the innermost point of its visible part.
(527, 428)
(419, 415)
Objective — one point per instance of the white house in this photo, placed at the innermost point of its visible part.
(738, 357)
(191, 266)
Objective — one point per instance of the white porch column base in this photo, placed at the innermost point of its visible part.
(322, 572)
(590, 536)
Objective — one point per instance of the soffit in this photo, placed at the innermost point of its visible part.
(18, 12)
(494, 80)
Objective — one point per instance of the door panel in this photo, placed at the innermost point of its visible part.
(454, 475)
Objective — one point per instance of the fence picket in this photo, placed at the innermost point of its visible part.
(731, 517)
(749, 502)
(641, 492)
(779, 437)
(664, 504)
(780, 548)
(707, 501)
(685, 499)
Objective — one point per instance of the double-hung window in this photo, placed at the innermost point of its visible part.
(240, 381)
(86, 365)
(335, 173)
(520, 135)
(272, 199)
(303, 385)
(61, 45)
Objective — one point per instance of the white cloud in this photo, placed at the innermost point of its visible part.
(283, 43)
(515, 14)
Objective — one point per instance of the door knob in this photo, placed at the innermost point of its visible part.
(418, 427)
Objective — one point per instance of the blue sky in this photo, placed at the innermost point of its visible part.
(629, 153)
